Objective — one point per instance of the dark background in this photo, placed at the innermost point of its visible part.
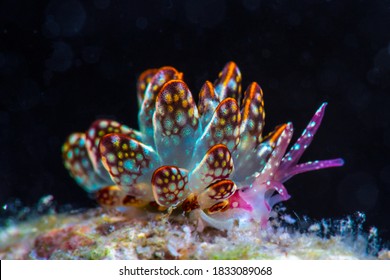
(65, 63)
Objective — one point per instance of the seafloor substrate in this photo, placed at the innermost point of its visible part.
(95, 234)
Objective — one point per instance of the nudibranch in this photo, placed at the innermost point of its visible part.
(210, 159)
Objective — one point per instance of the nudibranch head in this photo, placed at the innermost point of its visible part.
(210, 159)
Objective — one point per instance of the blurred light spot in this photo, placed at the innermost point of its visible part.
(51, 29)
(374, 75)
(306, 83)
(102, 4)
(207, 14)
(327, 78)
(367, 195)
(385, 176)
(4, 119)
(358, 191)
(64, 17)
(382, 59)
(274, 84)
(386, 137)
(379, 74)
(25, 95)
(142, 23)
(358, 96)
(61, 58)
(306, 58)
(178, 42)
(351, 41)
(294, 19)
(9, 62)
(91, 54)
(251, 5)
(265, 53)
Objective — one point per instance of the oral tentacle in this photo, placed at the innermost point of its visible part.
(289, 167)
(284, 175)
(296, 151)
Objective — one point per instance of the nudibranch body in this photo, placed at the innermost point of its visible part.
(209, 159)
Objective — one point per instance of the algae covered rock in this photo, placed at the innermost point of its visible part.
(94, 234)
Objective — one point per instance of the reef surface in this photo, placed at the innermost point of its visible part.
(95, 234)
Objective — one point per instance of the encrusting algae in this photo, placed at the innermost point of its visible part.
(95, 234)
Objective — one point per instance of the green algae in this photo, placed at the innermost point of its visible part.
(94, 253)
(243, 252)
